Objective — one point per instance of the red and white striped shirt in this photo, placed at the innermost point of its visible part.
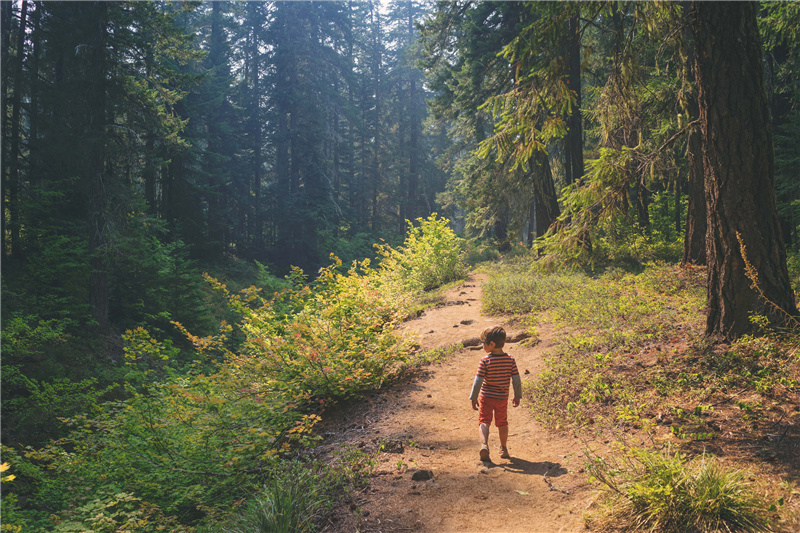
(495, 371)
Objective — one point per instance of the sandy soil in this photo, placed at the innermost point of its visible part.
(427, 423)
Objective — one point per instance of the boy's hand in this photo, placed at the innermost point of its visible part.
(515, 402)
(475, 404)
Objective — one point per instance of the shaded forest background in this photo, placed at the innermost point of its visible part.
(147, 143)
(151, 138)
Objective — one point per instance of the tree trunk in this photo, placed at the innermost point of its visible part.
(744, 234)
(34, 148)
(694, 241)
(414, 122)
(96, 98)
(375, 173)
(545, 197)
(573, 142)
(257, 225)
(780, 104)
(7, 14)
(501, 227)
(14, 156)
(676, 189)
(642, 204)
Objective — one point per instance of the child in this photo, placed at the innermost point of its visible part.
(494, 372)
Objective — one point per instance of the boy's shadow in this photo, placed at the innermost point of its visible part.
(515, 465)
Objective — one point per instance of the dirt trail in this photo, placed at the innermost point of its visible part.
(428, 424)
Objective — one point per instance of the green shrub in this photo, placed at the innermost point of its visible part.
(430, 256)
(337, 341)
(45, 402)
(292, 502)
(479, 252)
(185, 446)
(268, 283)
(654, 491)
(23, 480)
(189, 443)
(116, 512)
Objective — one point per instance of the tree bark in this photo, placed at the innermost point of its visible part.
(743, 229)
(96, 99)
(573, 142)
(545, 197)
(414, 120)
(780, 104)
(694, 241)
(6, 15)
(14, 156)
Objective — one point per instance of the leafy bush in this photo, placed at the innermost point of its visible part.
(338, 341)
(477, 252)
(187, 444)
(268, 283)
(183, 447)
(37, 412)
(654, 491)
(430, 256)
(22, 480)
(116, 512)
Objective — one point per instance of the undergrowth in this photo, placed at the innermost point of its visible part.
(630, 358)
(211, 444)
(648, 490)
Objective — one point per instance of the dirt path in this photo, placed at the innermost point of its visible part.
(428, 424)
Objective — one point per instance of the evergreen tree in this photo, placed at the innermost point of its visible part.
(746, 258)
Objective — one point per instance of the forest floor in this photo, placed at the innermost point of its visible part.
(426, 422)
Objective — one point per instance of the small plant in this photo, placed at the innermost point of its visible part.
(290, 503)
(435, 355)
(665, 492)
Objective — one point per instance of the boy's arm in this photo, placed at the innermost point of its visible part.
(517, 384)
(476, 388)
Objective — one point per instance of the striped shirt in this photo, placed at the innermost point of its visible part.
(494, 373)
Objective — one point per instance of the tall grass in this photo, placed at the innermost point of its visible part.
(603, 320)
(290, 503)
(657, 491)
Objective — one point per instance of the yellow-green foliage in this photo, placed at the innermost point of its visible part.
(605, 319)
(430, 256)
(187, 442)
(340, 342)
(185, 446)
(654, 491)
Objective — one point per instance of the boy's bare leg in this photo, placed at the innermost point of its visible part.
(484, 432)
(503, 430)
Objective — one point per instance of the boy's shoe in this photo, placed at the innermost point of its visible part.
(504, 453)
(484, 453)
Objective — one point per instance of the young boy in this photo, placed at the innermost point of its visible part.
(494, 373)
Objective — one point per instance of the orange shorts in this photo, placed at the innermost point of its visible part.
(487, 406)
